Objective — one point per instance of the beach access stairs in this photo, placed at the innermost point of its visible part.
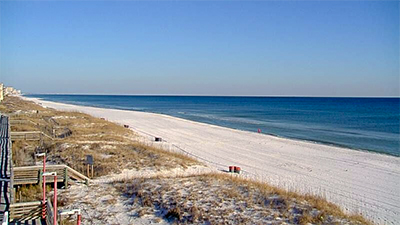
(49, 131)
(30, 213)
(33, 175)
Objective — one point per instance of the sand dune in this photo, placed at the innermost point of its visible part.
(358, 181)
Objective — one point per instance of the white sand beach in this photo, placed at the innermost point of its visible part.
(358, 181)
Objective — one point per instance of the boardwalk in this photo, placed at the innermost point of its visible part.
(6, 166)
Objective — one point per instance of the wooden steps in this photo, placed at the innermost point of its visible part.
(28, 213)
(32, 174)
(25, 212)
(29, 222)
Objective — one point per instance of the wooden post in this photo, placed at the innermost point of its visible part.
(87, 170)
(13, 194)
(66, 177)
(41, 139)
(40, 177)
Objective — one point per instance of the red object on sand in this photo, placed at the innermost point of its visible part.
(79, 219)
(44, 189)
(237, 169)
(231, 169)
(55, 200)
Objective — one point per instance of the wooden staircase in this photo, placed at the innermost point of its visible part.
(33, 174)
(29, 213)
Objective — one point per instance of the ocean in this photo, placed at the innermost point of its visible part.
(371, 124)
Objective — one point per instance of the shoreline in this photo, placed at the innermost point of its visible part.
(313, 141)
(359, 181)
(310, 141)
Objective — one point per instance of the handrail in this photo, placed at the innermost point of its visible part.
(19, 168)
(26, 133)
(51, 129)
(76, 173)
(16, 121)
(66, 133)
(44, 134)
(25, 204)
(25, 210)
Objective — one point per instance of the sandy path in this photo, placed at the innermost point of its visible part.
(359, 181)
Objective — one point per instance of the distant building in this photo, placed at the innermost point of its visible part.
(1, 92)
(11, 91)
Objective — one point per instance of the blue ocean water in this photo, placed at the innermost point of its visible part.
(371, 124)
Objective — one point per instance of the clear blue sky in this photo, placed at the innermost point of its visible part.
(310, 48)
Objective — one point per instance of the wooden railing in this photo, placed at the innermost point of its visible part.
(38, 135)
(14, 122)
(25, 211)
(29, 211)
(76, 175)
(32, 174)
(26, 135)
(61, 132)
(53, 131)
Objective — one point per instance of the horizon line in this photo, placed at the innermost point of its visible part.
(200, 95)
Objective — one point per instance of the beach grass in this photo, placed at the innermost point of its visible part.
(227, 199)
(213, 197)
(112, 146)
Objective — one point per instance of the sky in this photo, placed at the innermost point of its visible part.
(268, 48)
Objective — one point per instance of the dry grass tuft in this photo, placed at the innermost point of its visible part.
(30, 192)
(174, 214)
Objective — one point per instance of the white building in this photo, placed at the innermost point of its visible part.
(1, 92)
(11, 91)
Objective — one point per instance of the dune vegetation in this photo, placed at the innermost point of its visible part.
(203, 198)
(112, 146)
